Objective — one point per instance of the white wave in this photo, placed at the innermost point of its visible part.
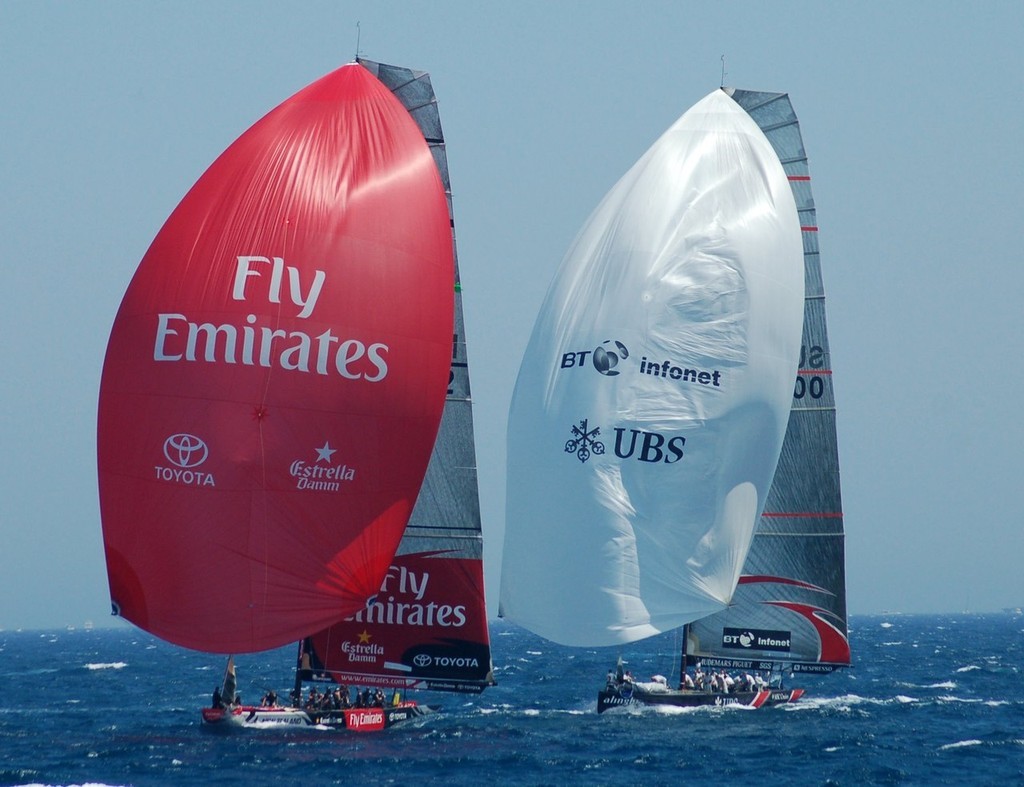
(107, 665)
(974, 701)
(960, 744)
(887, 625)
(842, 704)
(946, 684)
(903, 699)
(969, 668)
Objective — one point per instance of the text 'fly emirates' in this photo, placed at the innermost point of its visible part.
(178, 338)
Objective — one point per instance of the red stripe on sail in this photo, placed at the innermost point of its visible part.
(835, 648)
(275, 376)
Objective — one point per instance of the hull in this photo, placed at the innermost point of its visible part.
(636, 695)
(351, 719)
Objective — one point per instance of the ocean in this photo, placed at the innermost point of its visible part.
(931, 699)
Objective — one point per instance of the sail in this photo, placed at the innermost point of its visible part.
(790, 605)
(275, 376)
(652, 400)
(427, 625)
(229, 691)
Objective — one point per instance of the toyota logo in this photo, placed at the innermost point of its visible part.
(185, 450)
(421, 660)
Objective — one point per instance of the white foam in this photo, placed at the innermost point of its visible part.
(960, 744)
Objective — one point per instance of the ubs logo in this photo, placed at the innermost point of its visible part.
(644, 446)
(185, 450)
(605, 357)
(584, 441)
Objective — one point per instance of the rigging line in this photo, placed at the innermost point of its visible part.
(260, 414)
(723, 72)
(358, 34)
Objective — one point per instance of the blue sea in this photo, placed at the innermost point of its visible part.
(931, 700)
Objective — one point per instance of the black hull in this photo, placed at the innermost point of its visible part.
(635, 695)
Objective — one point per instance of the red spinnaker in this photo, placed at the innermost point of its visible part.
(275, 376)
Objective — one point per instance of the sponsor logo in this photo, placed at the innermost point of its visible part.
(584, 441)
(606, 357)
(364, 718)
(364, 651)
(651, 447)
(317, 477)
(654, 447)
(185, 452)
(821, 668)
(671, 371)
(423, 660)
(180, 339)
(402, 602)
(756, 639)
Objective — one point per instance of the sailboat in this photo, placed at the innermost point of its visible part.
(788, 614)
(674, 327)
(426, 628)
(276, 377)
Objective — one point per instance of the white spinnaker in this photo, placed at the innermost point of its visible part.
(673, 327)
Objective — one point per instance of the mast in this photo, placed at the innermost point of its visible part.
(682, 656)
(426, 626)
(790, 603)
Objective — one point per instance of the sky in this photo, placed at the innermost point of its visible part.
(913, 122)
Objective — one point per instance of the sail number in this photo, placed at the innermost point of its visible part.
(812, 385)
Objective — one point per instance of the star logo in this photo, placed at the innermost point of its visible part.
(364, 638)
(324, 454)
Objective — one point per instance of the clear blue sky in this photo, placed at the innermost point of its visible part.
(912, 117)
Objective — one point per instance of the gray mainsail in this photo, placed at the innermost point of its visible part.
(429, 619)
(790, 605)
